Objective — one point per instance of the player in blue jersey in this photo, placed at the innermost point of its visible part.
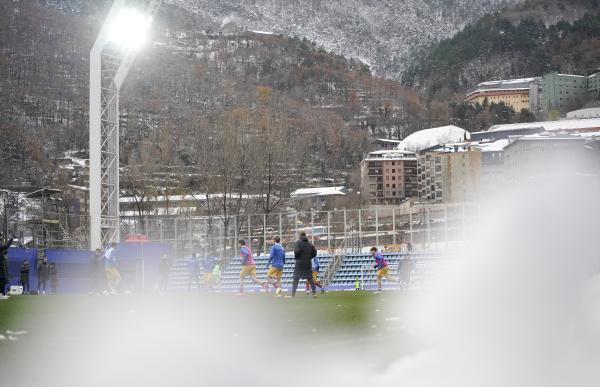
(208, 265)
(275, 265)
(110, 267)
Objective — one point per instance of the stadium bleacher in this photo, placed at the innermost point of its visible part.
(417, 268)
(178, 276)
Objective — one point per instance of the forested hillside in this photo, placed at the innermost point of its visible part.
(232, 111)
(531, 39)
(381, 33)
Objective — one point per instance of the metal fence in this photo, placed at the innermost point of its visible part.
(393, 228)
(349, 230)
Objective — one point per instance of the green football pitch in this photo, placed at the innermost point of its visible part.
(198, 335)
(354, 312)
(337, 316)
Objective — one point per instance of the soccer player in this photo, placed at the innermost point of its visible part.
(276, 261)
(97, 271)
(382, 268)
(208, 264)
(53, 274)
(24, 278)
(405, 268)
(248, 266)
(4, 274)
(113, 276)
(163, 273)
(43, 272)
(193, 267)
(216, 274)
(315, 273)
(304, 252)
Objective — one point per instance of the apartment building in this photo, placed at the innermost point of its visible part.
(388, 177)
(449, 173)
(543, 155)
(517, 93)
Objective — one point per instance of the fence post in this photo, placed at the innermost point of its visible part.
(359, 231)
(249, 233)
(280, 227)
(410, 226)
(428, 217)
(264, 233)
(312, 226)
(191, 230)
(176, 238)
(394, 225)
(376, 227)
(362, 277)
(295, 225)
(235, 229)
(446, 223)
(345, 231)
(329, 231)
(223, 236)
(208, 243)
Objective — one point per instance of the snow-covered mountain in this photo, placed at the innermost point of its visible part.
(382, 33)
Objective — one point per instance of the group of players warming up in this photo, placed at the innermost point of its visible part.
(306, 266)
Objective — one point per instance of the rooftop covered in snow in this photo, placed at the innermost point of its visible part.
(390, 154)
(593, 112)
(503, 85)
(508, 82)
(428, 138)
(319, 191)
(492, 146)
(545, 137)
(591, 124)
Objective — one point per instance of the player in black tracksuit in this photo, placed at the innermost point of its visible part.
(4, 275)
(43, 272)
(24, 276)
(304, 252)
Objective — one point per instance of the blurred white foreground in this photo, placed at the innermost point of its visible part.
(519, 307)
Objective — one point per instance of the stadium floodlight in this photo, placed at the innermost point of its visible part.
(123, 33)
(130, 28)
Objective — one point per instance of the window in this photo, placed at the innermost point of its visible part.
(393, 185)
(393, 171)
(393, 177)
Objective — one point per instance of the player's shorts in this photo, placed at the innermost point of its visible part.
(248, 270)
(275, 272)
(112, 274)
(207, 277)
(383, 272)
(315, 274)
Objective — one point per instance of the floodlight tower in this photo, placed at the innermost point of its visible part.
(123, 33)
